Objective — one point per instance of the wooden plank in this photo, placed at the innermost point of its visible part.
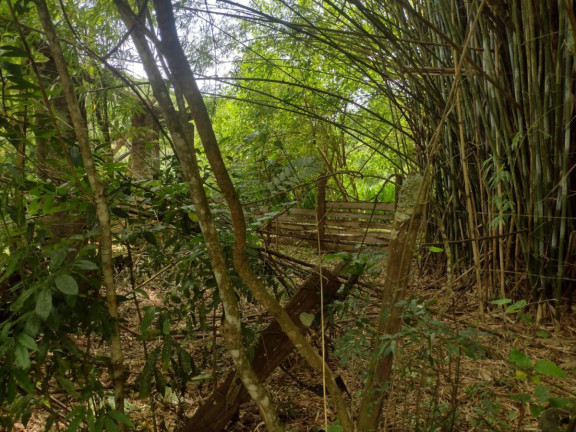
(345, 224)
(358, 216)
(306, 213)
(295, 219)
(376, 225)
(364, 205)
(328, 245)
(334, 229)
(283, 229)
(358, 224)
(345, 239)
(291, 226)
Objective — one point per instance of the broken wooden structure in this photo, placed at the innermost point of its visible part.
(332, 226)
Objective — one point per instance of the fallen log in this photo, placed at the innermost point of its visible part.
(272, 348)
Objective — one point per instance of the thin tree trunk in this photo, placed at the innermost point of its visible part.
(321, 211)
(186, 83)
(472, 231)
(183, 138)
(99, 197)
(145, 145)
(272, 348)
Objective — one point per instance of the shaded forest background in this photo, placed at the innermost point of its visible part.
(144, 145)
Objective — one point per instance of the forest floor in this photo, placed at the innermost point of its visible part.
(453, 368)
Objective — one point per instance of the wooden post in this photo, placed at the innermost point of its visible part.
(400, 255)
(398, 186)
(321, 211)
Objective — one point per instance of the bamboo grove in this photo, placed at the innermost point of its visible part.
(485, 90)
(503, 177)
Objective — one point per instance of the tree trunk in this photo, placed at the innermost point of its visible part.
(183, 138)
(272, 348)
(321, 211)
(145, 145)
(400, 255)
(99, 197)
(185, 82)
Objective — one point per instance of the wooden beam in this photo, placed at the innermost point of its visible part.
(272, 348)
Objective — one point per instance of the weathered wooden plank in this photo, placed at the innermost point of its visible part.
(330, 229)
(344, 233)
(328, 246)
(279, 225)
(376, 225)
(307, 213)
(363, 205)
(351, 239)
(360, 224)
(345, 225)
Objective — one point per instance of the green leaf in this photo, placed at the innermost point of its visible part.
(166, 325)
(66, 284)
(185, 360)
(13, 51)
(147, 319)
(27, 341)
(44, 303)
(121, 418)
(77, 415)
(32, 326)
(166, 354)
(57, 257)
(11, 386)
(519, 358)
(23, 380)
(160, 381)
(536, 410)
(22, 357)
(22, 298)
(549, 368)
(516, 306)
(67, 385)
(120, 212)
(146, 376)
(111, 425)
(150, 238)
(521, 397)
(435, 249)
(541, 393)
(21, 84)
(558, 402)
(501, 302)
(85, 265)
(306, 319)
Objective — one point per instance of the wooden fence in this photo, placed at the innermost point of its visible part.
(334, 226)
